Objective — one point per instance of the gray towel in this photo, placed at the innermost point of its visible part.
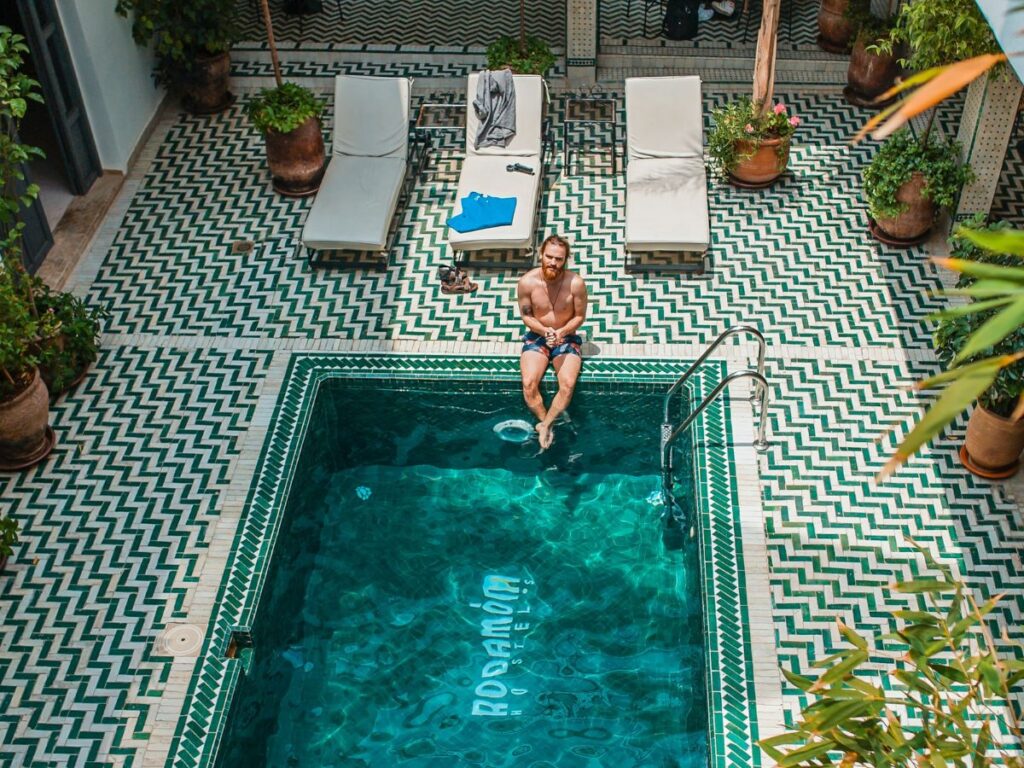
(495, 106)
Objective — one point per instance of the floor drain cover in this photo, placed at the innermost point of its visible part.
(242, 246)
(180, 640)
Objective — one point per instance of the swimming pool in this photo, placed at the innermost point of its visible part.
(438, 592)
(435, 593)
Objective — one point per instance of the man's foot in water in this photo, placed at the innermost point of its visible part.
(544, 435)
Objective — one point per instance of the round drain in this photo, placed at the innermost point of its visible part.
(181, 640)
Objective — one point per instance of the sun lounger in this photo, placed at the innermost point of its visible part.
(485, 171)
(666, 183)
(368, 173)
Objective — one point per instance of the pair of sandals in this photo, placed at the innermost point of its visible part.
(454, 280)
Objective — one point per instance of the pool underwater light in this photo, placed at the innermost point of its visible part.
(514, 430)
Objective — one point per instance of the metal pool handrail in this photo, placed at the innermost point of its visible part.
(736, 329)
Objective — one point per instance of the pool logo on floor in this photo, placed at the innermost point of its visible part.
(502, 630)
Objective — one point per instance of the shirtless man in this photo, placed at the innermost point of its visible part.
(553, 305)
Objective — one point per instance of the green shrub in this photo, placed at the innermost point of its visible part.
(8, 536)
(283, 109)
(897, 160)
(505, 52)
(940, 32)
(79, 335)
(21, 328)
(180, 30)
(739, 120)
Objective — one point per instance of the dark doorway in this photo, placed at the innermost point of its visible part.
(59, 127)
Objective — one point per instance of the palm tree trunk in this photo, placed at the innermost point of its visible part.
(764, 60)
(265, 5)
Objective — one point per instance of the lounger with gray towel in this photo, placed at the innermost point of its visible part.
(666, 183)
(368, 173)
(485, 170)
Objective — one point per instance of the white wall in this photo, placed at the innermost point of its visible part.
(115, 76)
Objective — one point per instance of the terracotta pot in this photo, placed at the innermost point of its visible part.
(207, 92)
(25, 437)
(835, 31)
(919, 216)
(993, 443)
(766, 164)
(296, 159)
(870, 75)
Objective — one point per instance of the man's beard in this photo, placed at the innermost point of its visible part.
(551, 273)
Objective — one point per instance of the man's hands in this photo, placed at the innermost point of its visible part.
(552, 337)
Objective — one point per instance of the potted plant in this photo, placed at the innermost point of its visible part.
(65, 359)
(191, 39)
(995, 432)
(837, 24)
(25, 435)
(872, 70)
(8, 538)
(750, 145)
(532, 58)
(908, 182)
(288, 116)
(524, 55)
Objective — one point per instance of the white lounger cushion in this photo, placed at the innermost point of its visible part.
(666, 184)
(371, 116)
(487, 175)
(667, 205)
(354, 206)
(529, 117)
(664, 117)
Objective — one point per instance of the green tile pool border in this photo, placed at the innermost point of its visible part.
(729, 667)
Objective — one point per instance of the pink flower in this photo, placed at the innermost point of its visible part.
(748, 128)
(794, 121)
(780, 108)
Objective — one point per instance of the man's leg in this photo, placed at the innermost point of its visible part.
(567, 367)
(533, 365)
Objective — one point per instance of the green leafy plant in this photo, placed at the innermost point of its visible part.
(740, 127)
(873, 32)
(16, 90)
(535, 58)
(65, 357)
(21, 329)
(898, 159)
(947, 699)
(940, 32)
(8, 536)
(952, 335)
(284, 108)
(180, 30)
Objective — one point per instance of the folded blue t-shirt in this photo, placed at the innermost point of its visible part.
(482, 212)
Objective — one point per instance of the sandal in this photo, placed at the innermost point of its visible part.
(465, 286)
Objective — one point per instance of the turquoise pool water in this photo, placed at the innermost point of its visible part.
(441, 597)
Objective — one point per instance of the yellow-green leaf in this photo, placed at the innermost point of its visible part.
(998, 240)
(851, 635)
(981, 269)
(993, 330)
(960, 394)
(918, 586)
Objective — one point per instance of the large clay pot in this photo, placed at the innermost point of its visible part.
(919, 216)
(767, 163)
(993, 444)
(25, 436)
(835, 31)
(870, 74)
(296, 159)
(207, 92)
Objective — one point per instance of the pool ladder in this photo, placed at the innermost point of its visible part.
(670, 433)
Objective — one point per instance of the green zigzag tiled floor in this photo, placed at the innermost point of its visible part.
(116, 521)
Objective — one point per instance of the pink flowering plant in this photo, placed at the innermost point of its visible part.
(741, 121)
